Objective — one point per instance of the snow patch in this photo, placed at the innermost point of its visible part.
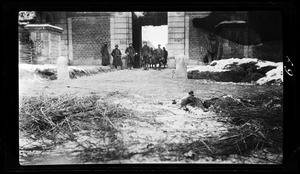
(239, 70)
(272, 76)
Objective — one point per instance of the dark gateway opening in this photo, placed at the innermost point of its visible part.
(147, 18)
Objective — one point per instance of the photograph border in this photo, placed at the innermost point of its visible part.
(10, 130)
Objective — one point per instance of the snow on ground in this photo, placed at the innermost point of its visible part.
(216, 69)
(274, 75)
(33, 71)
(220, 65)
(149, 93)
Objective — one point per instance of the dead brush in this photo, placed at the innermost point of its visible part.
(46, 117)
(252, 127)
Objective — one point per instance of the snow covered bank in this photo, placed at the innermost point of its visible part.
(240, 70)
(48, 71)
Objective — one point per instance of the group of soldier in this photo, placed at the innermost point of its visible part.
(148, 57)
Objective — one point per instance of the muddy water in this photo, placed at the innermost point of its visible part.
(149, 93)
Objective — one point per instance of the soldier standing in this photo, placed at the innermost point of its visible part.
(145, 51)
(105, 55)
(159, 56)
(116, 53)
(212, 48)
(165, 55)
(130, 54)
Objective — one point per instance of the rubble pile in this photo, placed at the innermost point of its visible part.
(240, 70)
(49, 71)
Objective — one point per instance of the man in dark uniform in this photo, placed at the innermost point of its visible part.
(151, 57)
(165, 55)
(159, 58)
(145, 51)
(105, 55)
(212, 48)
(116, 53)
(130, 55)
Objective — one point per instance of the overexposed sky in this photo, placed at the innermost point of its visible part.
(156, 35)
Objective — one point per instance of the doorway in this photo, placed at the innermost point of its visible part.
(155, 35)
(151, 27)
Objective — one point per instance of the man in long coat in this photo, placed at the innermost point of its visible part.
(116, 53)
(159, 58)
(165, 55)
(145, 51)
(212, 48)
(130, 55)
(105, 55)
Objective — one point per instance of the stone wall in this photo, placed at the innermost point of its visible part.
(197, 42)
(176, 33)
(121, 30)
(88, 35)
(271, 51)
(84, 32)
(26, 49)
(87, 48)
(46, 42)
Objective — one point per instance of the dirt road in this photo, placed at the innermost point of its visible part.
(149, 93)
(151, 84)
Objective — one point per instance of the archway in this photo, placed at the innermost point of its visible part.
(154, 19)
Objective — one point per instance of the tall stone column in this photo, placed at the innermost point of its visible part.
(176, 33)
(121, 30)
(176, 36)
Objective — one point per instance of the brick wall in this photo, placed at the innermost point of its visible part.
(26, 52)
(271, 51)
(197, 41)
(88, 35)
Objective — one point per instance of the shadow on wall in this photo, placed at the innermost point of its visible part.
(271, 51)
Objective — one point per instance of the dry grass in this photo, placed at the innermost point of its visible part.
(48, 117)
(255, 124)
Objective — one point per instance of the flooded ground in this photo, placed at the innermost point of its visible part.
(149, 94)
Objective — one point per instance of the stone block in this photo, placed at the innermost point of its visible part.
(175, 23)
(181, 66)
(121, 20)
(121, 25)
(121, 31)
(176, 40)
(177, 46)
(175, 19)
(175, 35)
(176, 30)
(62, 69)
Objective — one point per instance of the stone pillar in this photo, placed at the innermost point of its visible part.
(176, 33)
(62, 69)
(121, 30)
(47, 41)
(177, 43)
(70, 40)
(181, 66)
(186, 36)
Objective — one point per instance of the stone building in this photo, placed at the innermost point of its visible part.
(84, 32)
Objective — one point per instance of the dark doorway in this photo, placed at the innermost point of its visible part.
(146, 18)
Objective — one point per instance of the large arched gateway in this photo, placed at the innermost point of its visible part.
(194, 34)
